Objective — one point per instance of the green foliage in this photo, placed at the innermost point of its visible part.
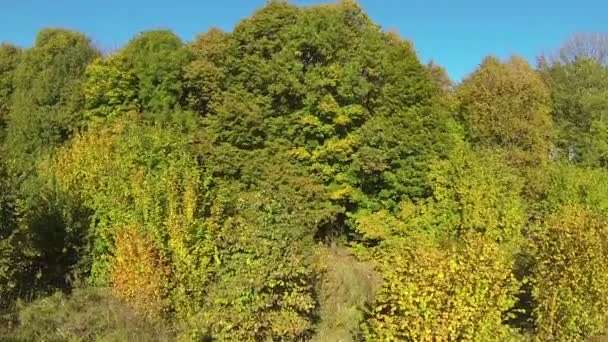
(580, 111)
(507, 106)
(264, 289)
(205, 73)
(48, 94)
(111, 88)
(146, 76)
(325, 81)
(157, 58)
(256, 245)
(393, 163)
(41, 240)
(161, 175)
(13, 263)
(440, 76)
(9, 59)
(265, 283)
(302, 177)
(570, 275)
(561, 184)
(472, 191)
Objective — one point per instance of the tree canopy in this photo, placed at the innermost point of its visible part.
(302, 177)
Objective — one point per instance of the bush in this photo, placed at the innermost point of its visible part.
(563, 184)
(461, 291)
(472, 191)
(570, 275)
(138, 274)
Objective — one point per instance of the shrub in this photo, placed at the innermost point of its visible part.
(458, 292)
(570, 275)
(139, 275)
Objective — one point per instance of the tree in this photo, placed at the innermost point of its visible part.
(324, 81)
(146, 77)
(592, 46)
(507, 106)
(440, 76)
(9, 59)
(205, 74)
(111, 88)
(580, 109)
(157, 59)
(48, 94)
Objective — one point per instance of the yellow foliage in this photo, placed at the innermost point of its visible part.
(328, 106)
(341, 193)
(310, 120)
(570, 275)
(442, 293)
(300, 153)
(139, 274)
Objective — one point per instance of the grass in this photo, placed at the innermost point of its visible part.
(89, 314)
(345, 290)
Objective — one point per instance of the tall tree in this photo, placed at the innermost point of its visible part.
(48, 98)
(146, 77)
(205, 74)
(507, 106)
(323, 81)
(157, 59)
(111, 88)
(583, 45)
(9, 59)
(579, 91)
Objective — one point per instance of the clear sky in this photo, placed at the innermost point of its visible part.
(454, 33)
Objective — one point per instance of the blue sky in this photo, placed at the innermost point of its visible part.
(456, 34)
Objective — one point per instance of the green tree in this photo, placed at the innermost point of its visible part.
(580, 109)
(46, 111)
(9, 60)
(111, 88)
(157, 59)
(507, 106)
(324, 81)
(146, 77)
(205, 74)
(48, 94)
